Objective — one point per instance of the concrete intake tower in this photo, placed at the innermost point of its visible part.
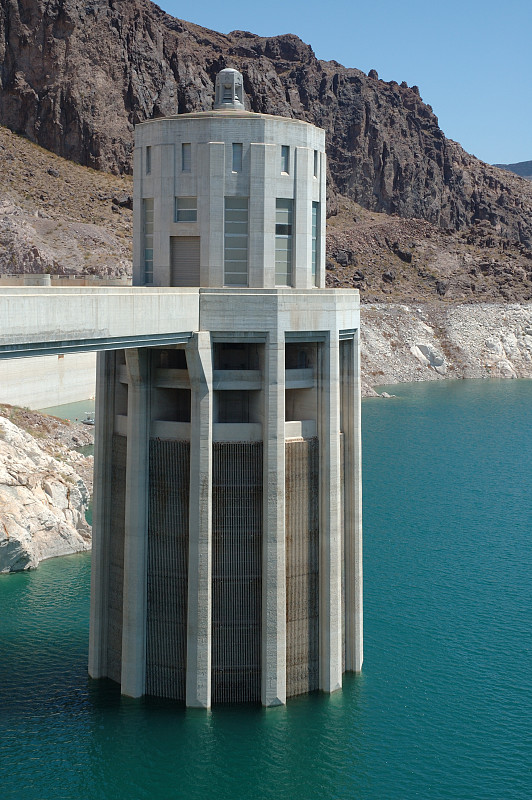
(227, 543)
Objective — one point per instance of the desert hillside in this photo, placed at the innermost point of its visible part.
(77, 77)
(59, 217)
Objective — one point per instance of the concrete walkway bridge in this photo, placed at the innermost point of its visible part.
(40, 321)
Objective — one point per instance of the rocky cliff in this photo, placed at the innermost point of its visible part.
(44, 491)
(395, 259)
(76, 77)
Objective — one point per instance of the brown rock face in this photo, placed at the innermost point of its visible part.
(76, 77)
(59, 217)
(390, 259)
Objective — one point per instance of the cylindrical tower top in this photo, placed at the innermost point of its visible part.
(229, 197)
(229, 90)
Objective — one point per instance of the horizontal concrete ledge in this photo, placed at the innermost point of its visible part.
(31, 349)
(174, 431)
(159, 429)
(163, 379)
(222, 431)
(226, 379)
(237, 432)
(230, 379)
(120, 424)
(300, 429)
(173, 290)
(280, 291)
(169, 378)
(96, 291)
(299, 378)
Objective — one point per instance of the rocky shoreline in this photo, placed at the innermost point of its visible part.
(45, 489)
(422, 341)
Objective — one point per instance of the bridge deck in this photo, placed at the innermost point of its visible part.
(38, 320)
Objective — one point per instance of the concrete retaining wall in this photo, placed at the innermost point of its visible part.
(47, 380)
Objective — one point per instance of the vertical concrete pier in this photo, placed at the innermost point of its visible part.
(274, 556)
(133, 676)
(199, 646)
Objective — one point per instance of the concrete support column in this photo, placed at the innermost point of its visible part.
(198, 684)
(101, 514)
(321, 254)
(211, 191)
(138, 232)
(273, 691)
(164, 213)
(133, 676)
(262, 192)
(330, 521)
(353, 507)
(302, 251)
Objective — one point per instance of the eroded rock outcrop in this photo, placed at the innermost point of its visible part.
(42, 503)
(420, 342)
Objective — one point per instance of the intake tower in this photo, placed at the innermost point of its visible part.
(227, 556)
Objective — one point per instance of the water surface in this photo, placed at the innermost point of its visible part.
(443, 707)
(75, 412)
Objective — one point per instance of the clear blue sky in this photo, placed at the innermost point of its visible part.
(472, 59)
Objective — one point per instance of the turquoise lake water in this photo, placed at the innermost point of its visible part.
(443, 708)
(75, 412)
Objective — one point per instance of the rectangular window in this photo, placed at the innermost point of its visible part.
(148, 160)
(315, 237)
(283, 241)
(285, 158)
(147, 214)
(315, 163)
(186, 157)
(186, 209)
(237, 157)
(236, 241)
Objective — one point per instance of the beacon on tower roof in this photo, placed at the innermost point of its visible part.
(229, 90)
